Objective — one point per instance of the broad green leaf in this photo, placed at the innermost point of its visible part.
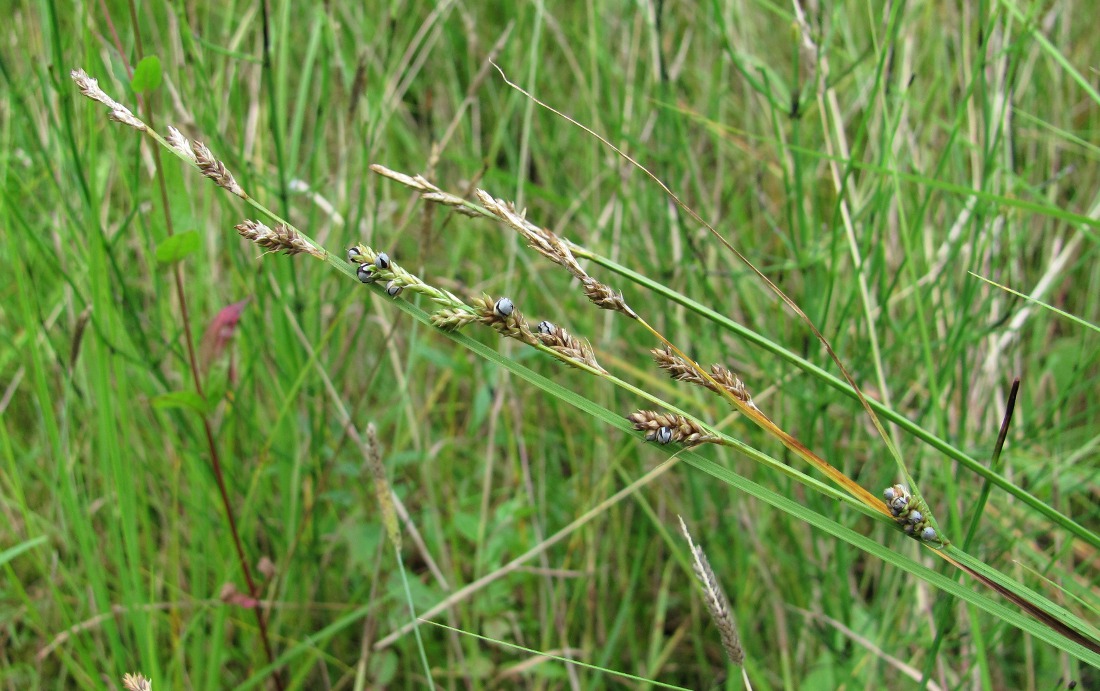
(147, 75)
(182, 399)
(178, 247)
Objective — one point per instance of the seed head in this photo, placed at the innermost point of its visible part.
(282, 238)
(664, 428)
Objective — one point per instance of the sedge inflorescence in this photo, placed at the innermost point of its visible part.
(911, 513)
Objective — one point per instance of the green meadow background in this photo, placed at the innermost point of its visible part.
(874, 160)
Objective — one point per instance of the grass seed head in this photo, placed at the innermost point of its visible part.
(281, 238)
(911, 513)
(450, 319)
(558, 339)
(375, 266)
(216, 170)
(681, 370)
(505, 319)
(136, 682)
(714, 596)
(180, 144)
(119, 113)
(664, 428)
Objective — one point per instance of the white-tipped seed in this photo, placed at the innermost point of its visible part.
(546, 327)
(898, 504)
(503, 308)
(928, 533)
(382, 261)
(889, 494)
(915, 517)
(354, 255)
(392, 289)
(663, 436)
(365, 274)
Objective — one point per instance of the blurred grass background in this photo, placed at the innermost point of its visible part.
(962, 142)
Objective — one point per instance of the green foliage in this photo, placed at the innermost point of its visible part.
(147, 75)
(178, 247)
(873, 165)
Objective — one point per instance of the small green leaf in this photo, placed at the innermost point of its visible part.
(147, 75)
(9, 554)
(182, 399)
(177, 247)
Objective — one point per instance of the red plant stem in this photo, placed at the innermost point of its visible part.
(215, 458)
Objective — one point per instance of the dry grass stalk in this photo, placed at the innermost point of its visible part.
(447, 199)
(136, 682)
(418, 182)
(216, 170)
(573, 348)
(119, 113)
(666, 427)
(715, 597)
(428, 191)
(682, 370)
(282, 238)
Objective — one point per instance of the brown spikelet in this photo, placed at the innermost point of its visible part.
(215, 169)
(570, 346)
(681, 370)
(119, 113)
(136, 682)
(180, 144)
(605, 298)
(678, 368)
(680, 429)
(90, 88)
(125, 117)
(513, 325)
(418, 183)
(541, 240)
(716, 601)
(549, 245)
(732, 383)
(281, 238)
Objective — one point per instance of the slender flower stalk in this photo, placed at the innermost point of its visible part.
(721, 380)
(119, 113)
